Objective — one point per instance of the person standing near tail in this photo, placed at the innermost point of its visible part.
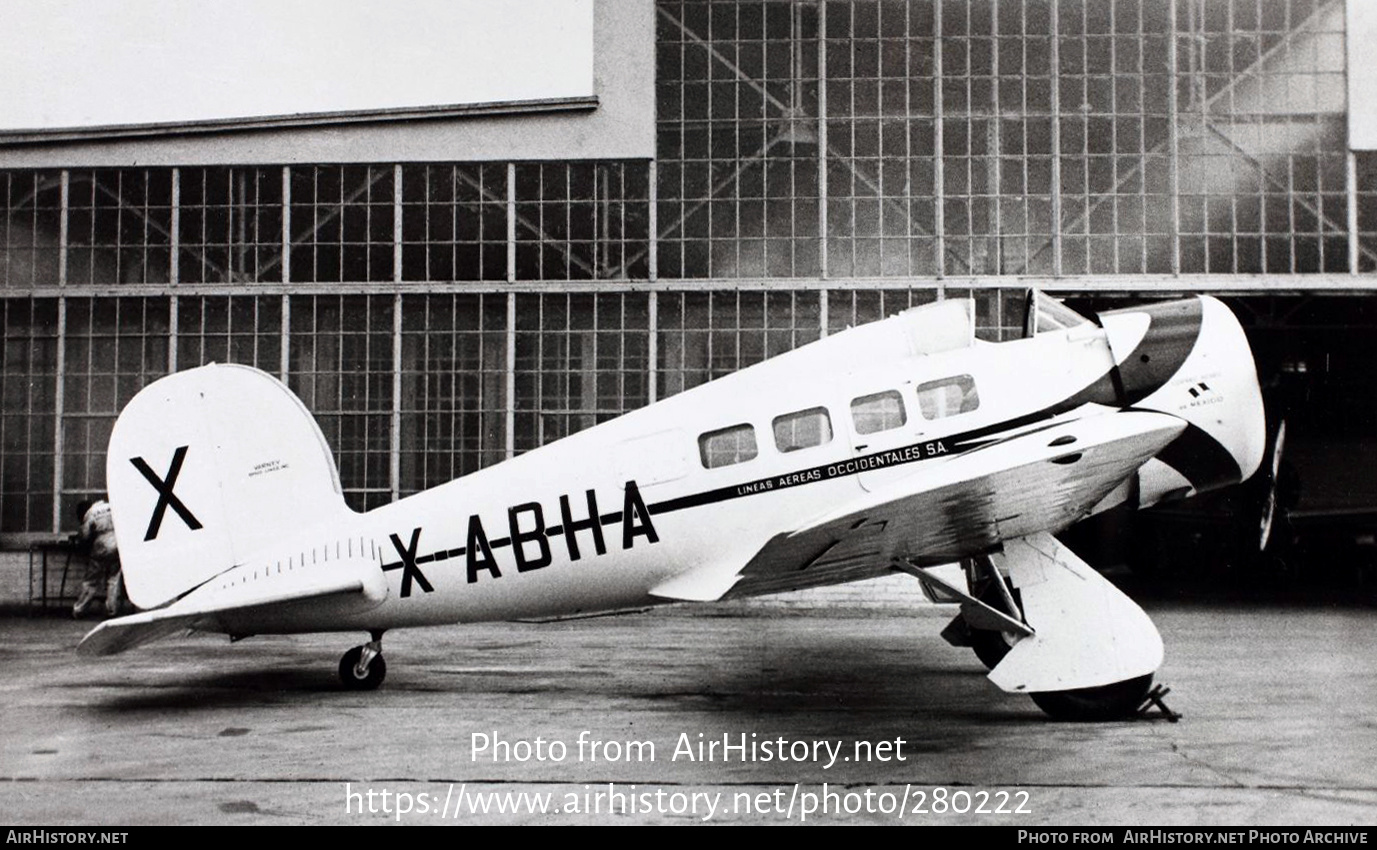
(97, 538)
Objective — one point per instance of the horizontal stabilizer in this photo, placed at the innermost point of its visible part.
(1087, 632)
(115, 636)
(237, 589)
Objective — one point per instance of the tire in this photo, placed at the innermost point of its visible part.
(1116, 701)
(990, 647)
(377, 671)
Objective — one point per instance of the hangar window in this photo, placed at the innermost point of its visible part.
(453, 398)
(340, 353)
(31, 212)
(119, 223)
(230, 226)
(582, 356)
(727, 446)
(581, 221)
(947, 397)
(705, 335)
(454, 221)
(342, 218)
(878, 412)
(802, 430)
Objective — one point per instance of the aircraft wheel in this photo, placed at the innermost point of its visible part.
(1106, 702)
(348, 671)
(990, 647)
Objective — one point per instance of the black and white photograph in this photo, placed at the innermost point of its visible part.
(690, 412)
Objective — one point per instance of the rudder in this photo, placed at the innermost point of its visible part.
(207, 466)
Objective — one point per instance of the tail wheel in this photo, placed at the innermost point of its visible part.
(369, 679)
(1116, 701)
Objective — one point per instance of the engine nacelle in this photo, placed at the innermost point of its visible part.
(1191, 359)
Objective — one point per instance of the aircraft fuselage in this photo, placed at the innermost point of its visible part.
(610, 517)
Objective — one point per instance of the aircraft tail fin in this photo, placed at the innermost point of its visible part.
(205, 467)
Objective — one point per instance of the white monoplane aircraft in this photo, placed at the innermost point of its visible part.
(905, 444)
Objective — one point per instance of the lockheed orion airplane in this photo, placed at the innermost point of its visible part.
(906, 444)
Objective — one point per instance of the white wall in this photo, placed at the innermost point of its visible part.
(622, 126)
(1362, 74)
(105, 63)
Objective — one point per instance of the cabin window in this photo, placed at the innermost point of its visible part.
(878, 412)
(802, 430)
(727, 446)
(947, 397)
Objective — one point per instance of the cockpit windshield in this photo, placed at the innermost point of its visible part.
(1047, 314)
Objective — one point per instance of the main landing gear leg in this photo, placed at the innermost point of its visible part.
(990, 621)
(363, 668)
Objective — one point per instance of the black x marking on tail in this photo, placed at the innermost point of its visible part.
(166, 498)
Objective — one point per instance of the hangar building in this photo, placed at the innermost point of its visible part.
(447, 283)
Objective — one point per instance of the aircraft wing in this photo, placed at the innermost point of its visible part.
(236, 589)
(1042, 480)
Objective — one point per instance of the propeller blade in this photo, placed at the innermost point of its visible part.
(1269, 504)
